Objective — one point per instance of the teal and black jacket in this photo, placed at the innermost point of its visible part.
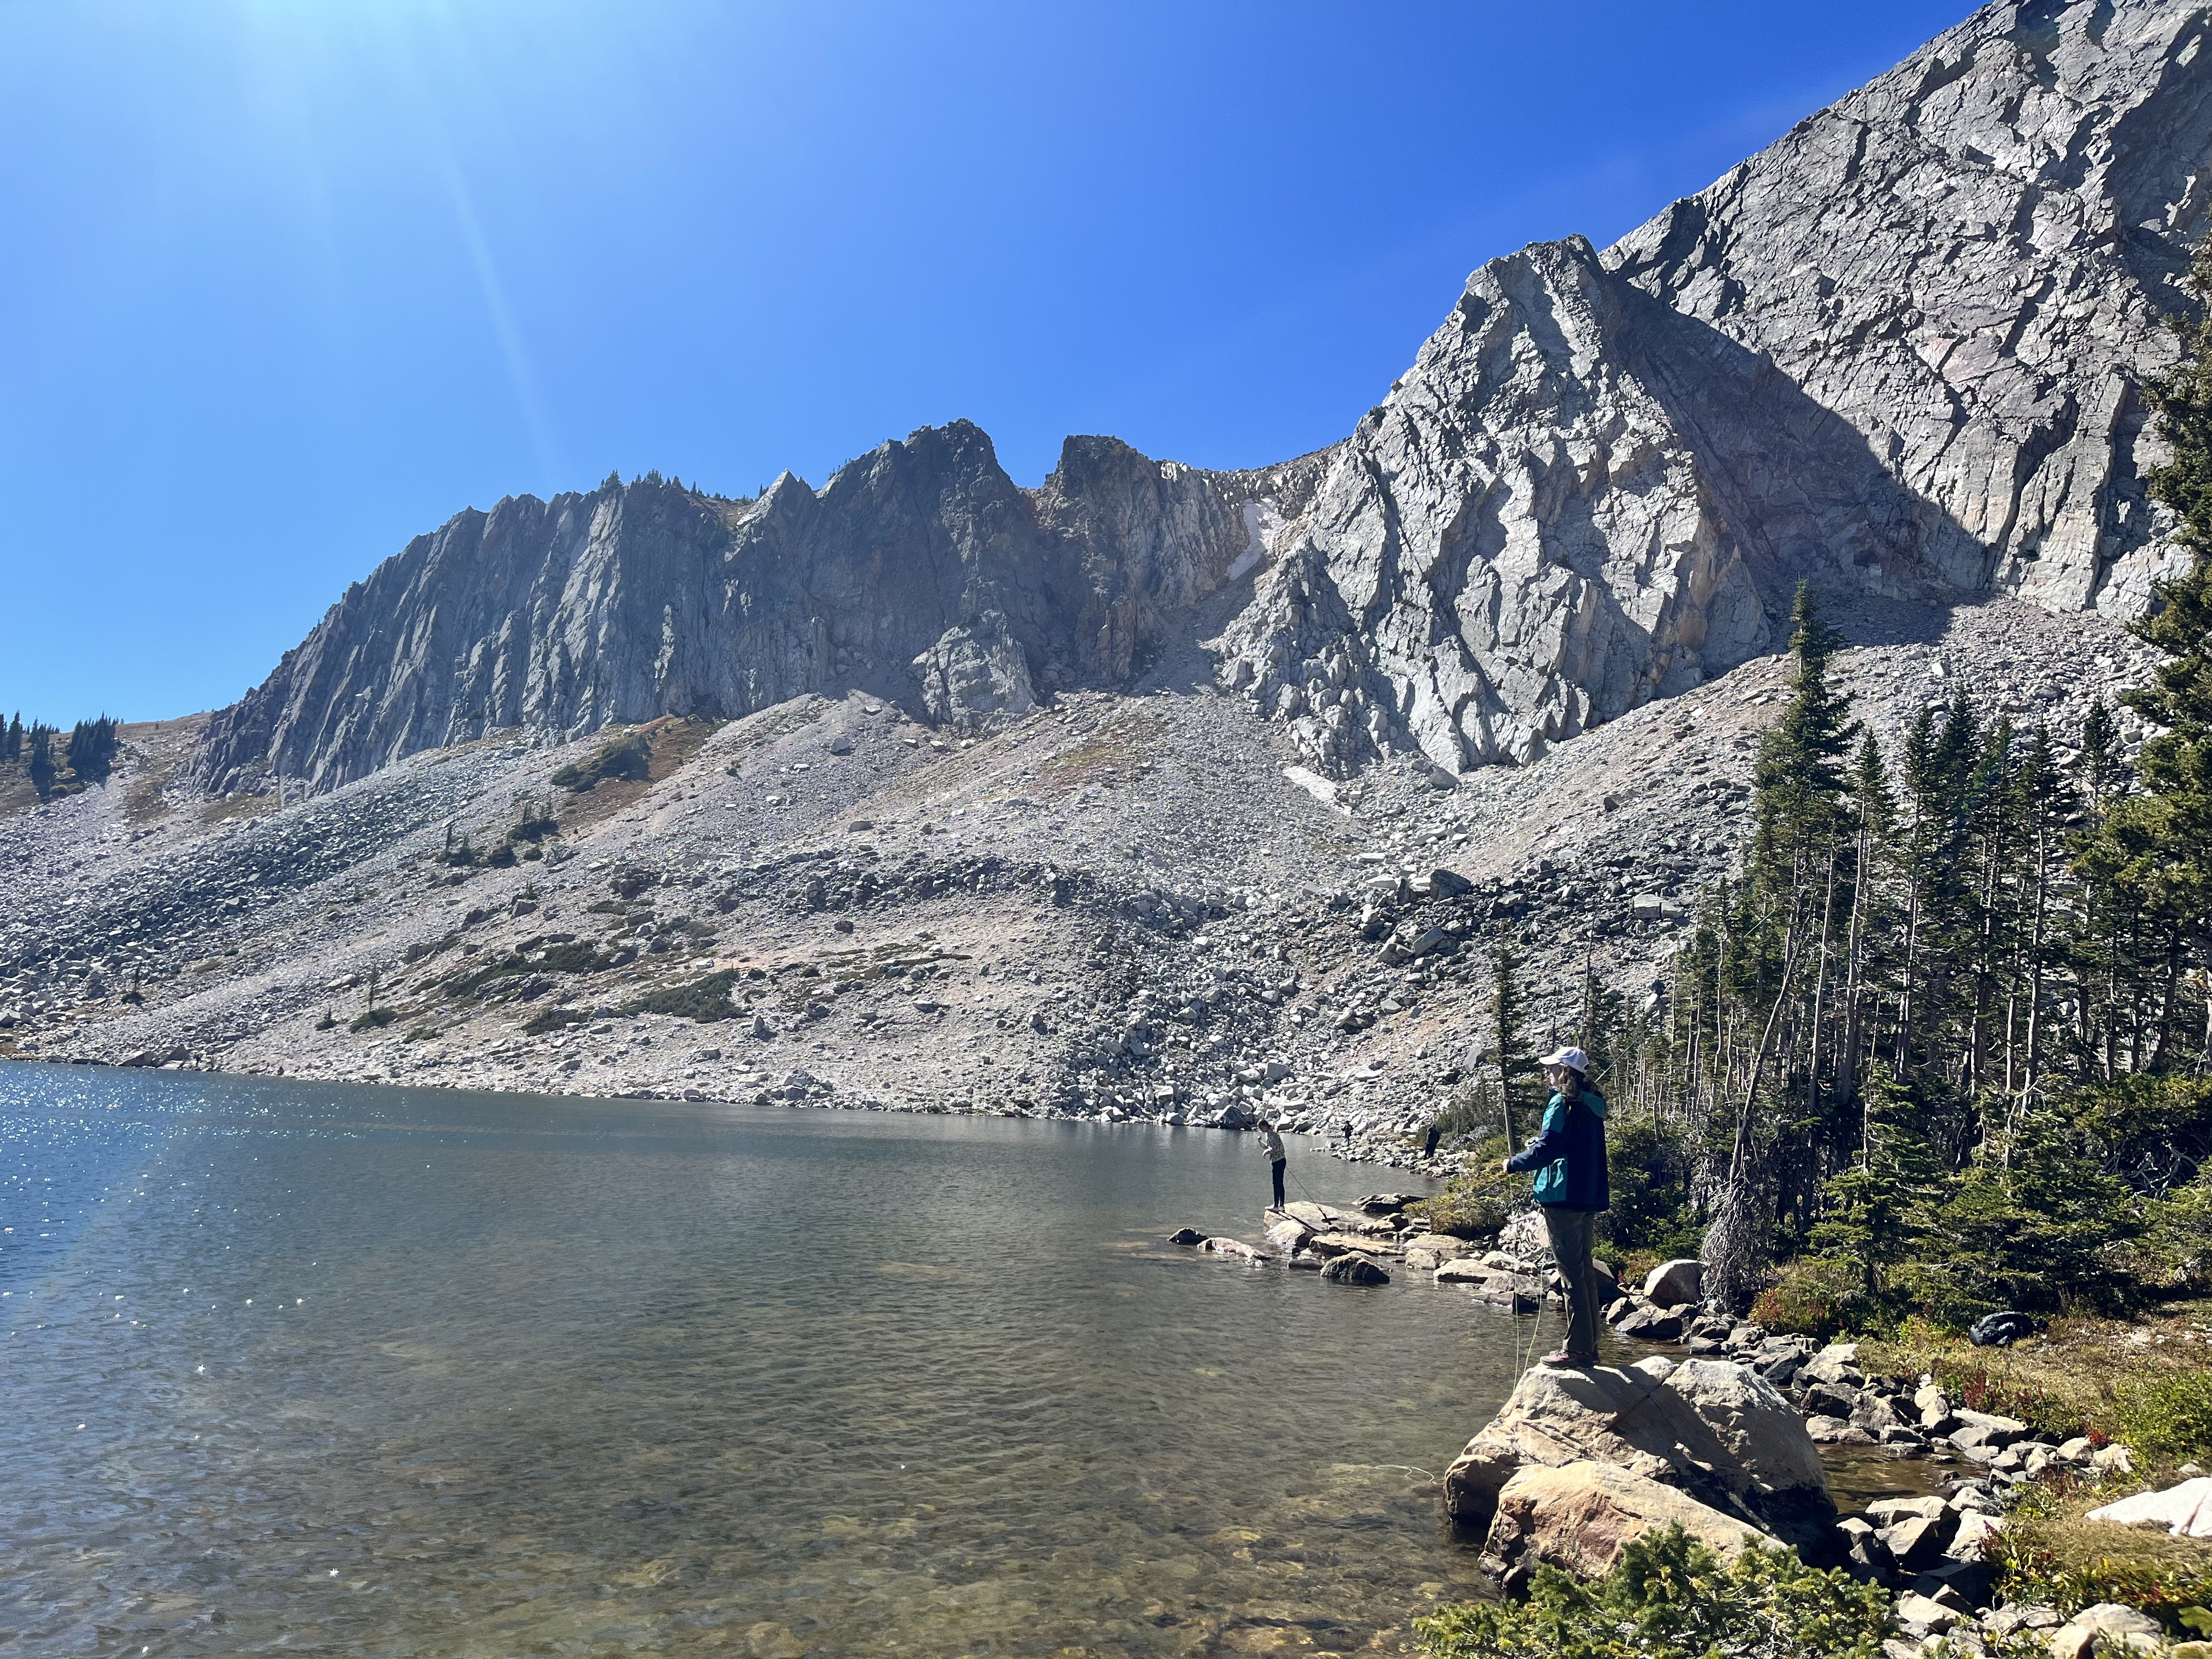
(1569, 1155)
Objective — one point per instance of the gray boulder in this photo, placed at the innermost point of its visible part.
(1713, 1429)
(1676, 1283)
(974, 672)
(1355, 1270)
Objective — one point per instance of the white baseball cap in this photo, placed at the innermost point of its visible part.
(1574, 1057)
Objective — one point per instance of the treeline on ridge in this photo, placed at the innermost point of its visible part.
(58, 764)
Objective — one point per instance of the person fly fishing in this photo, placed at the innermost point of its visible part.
(1271, 1146)
(1568, 1156)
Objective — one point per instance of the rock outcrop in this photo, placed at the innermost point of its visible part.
(1581, 1515)
(1715, 1430)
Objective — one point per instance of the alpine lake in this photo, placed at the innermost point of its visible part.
(354, 1370)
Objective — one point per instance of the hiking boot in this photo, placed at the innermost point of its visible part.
(1562, 1360)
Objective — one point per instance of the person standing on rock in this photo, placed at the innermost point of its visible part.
(1569, 1158)
(1271, 1145)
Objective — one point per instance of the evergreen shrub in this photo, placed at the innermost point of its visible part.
(703, 999)
(1475, 1203)
(1671, 1597)
(1813, 1297)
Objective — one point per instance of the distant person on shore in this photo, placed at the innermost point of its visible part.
(1568, 1156)
(1271, 1145)
(1436, 1134)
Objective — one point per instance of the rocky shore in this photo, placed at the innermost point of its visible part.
(1719, 1428)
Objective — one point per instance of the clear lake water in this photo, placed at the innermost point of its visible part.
(351, 1371)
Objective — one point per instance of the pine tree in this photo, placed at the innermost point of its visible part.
(1879, 1211)
(40, 764)
(2156, 844)
(1785, 924)
(1872, 913)
(1517, 1062)
(1799, 776)
(92, 748)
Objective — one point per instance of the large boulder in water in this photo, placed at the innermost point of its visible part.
(1715, 1430)
(1354, 1270)
(1581, 1515)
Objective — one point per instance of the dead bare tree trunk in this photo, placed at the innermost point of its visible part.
(1732, 1242)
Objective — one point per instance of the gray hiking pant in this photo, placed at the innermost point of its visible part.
(1570, 1233)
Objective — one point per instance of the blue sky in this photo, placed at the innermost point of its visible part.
(286, 284)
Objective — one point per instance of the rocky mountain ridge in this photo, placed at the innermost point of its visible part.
(920, 572)
(1898, 353)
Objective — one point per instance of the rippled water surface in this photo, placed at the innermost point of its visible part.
(344, 1371)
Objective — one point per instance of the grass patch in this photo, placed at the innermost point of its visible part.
(1670, 1597)
(2143, 1383)
(374, 1020)
(703, 999)
(2166, 1417)
(549, 1020)
(629, 756)
(2049, 1554)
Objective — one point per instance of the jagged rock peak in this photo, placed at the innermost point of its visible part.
(645, 599)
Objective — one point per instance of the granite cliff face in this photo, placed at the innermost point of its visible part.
(920, 572)
(1899, 353)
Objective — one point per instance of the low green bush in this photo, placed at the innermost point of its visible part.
(549, 1020)
(627, 757)
(2167, 1418)
(1670, 1597)
(374, 1019)
(1812, 1297)
(576, 957)
(1475, 1202)
(703, 999)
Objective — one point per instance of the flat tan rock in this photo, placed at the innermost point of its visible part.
(1581, 1515)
